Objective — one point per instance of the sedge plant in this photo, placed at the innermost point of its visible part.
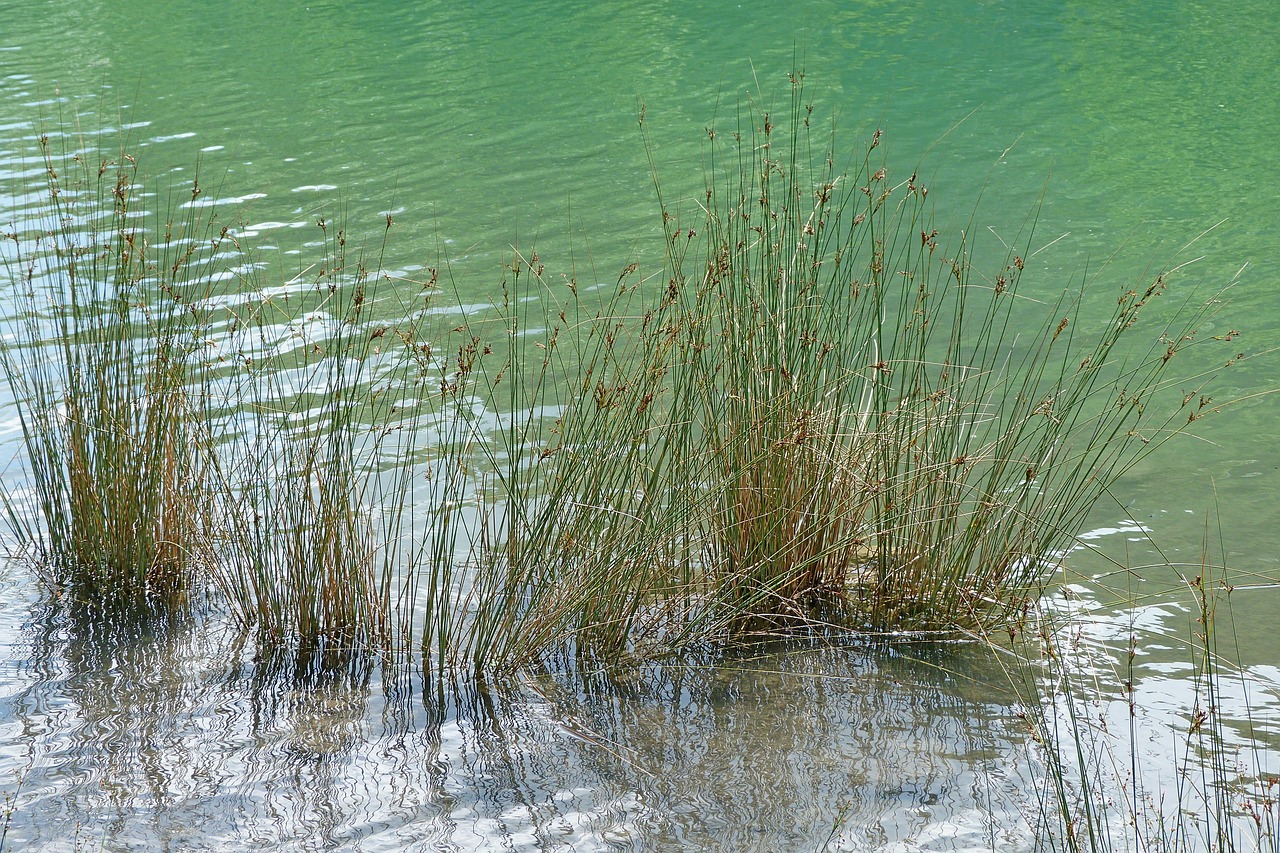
(106, 282)
(315, 430)
(884, 434)
(817, 410)
(1211, 786)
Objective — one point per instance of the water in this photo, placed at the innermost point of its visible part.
(479, 126)
(179, 743)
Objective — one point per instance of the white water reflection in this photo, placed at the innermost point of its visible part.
(1179, 739)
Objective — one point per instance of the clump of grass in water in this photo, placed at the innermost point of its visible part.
(822, 404)
(315, 476)
(164, 449)
(97, 357)
(558, 548)
(882, 435)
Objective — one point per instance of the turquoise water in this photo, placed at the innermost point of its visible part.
(478, 126)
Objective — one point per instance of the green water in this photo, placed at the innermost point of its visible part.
(477, 126)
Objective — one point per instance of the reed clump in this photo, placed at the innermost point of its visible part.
(816, 407)
(816, 410)
(97, 355)
(188, 428)
(816, 414)
(319, 422)
(892, 425)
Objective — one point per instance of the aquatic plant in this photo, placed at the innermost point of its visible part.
(816, 411)
(815, 417)
(882, 431)
(560, 486)
(317, 424)
(97, 356)
(184, 422)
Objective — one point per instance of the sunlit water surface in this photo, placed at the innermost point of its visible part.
(482, 126)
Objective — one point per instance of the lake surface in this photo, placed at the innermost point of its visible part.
(1144, 137)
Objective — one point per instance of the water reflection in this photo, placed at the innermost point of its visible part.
(174, 736)
(765, 752)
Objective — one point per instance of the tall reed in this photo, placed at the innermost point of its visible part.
(884, 430)
(104, 285)
(817, 409)
(317, 421)
(184, 422)
(517, 488)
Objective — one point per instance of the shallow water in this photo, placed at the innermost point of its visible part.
(479, 126)
(177, 738)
